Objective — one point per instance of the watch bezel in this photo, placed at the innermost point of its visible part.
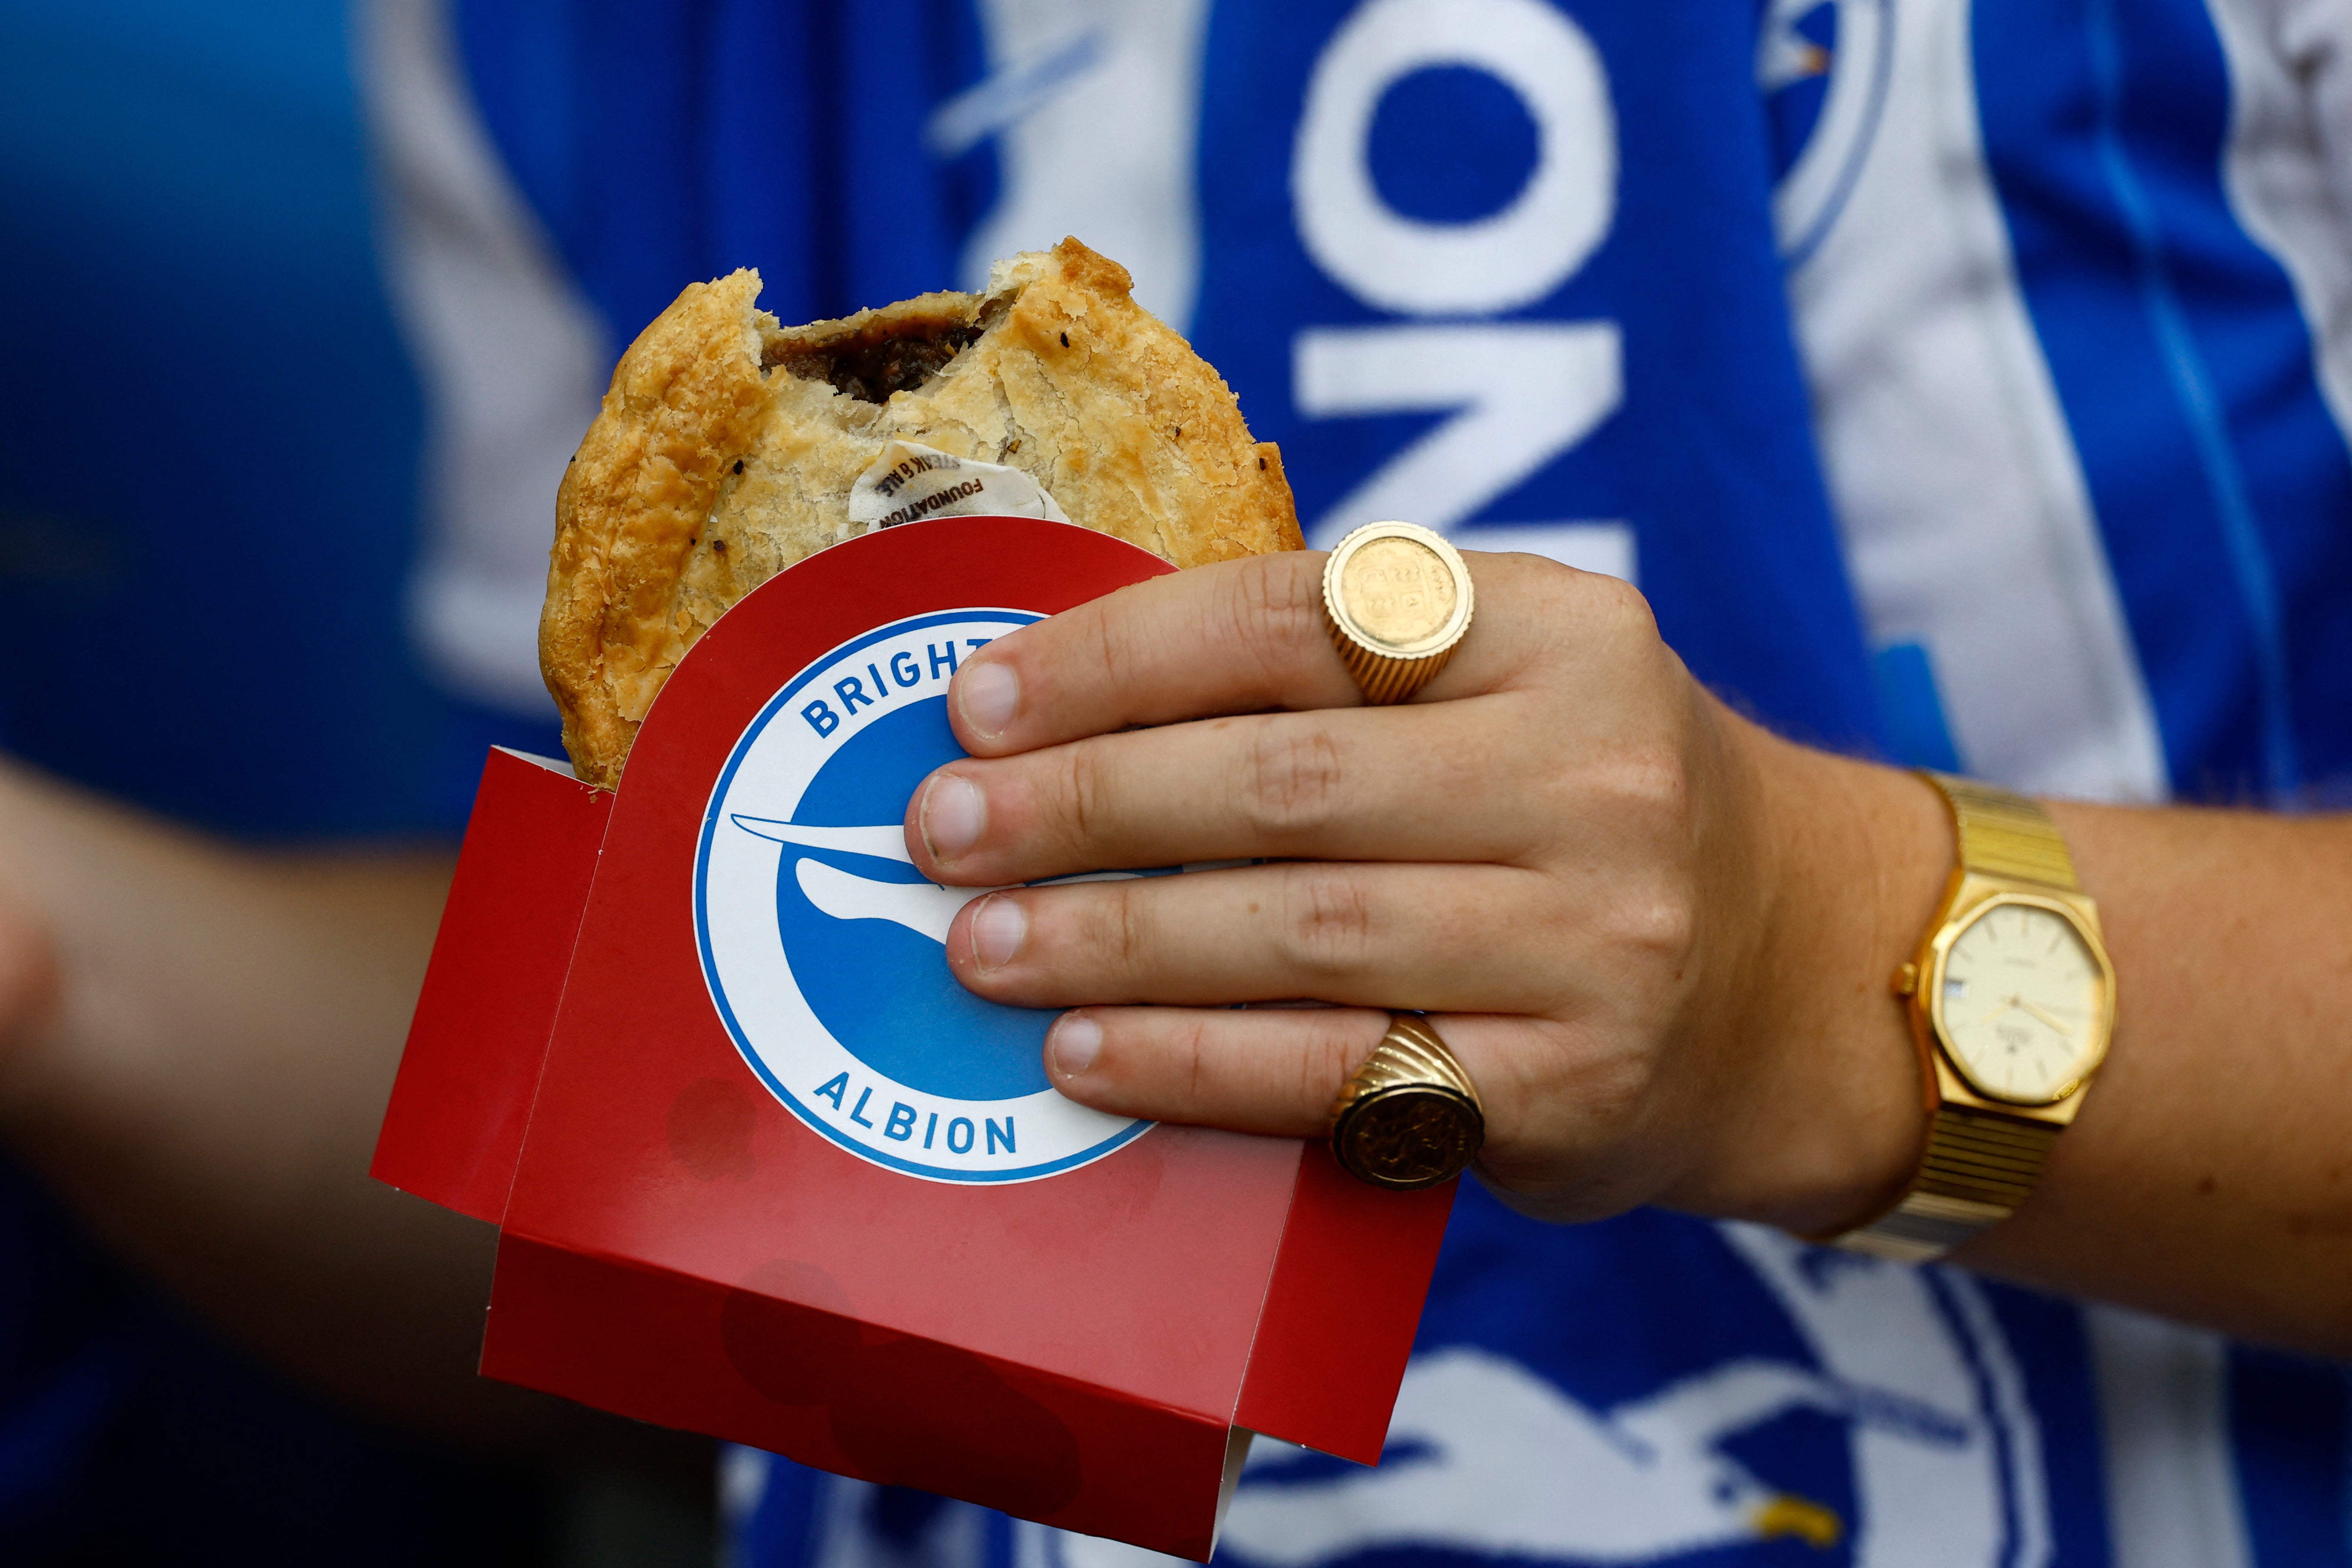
(1976, 898)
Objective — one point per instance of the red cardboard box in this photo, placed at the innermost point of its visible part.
(762, 1170)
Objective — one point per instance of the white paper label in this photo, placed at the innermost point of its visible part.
(908, 482)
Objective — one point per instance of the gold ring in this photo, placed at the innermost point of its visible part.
(1410, 1117)
(1397, 599)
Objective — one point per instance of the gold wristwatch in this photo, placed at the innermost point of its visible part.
(2011, 1000)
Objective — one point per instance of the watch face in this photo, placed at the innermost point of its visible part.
(2024, 1004)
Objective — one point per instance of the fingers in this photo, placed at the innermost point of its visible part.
(1421, 937)
(1365, 783)
(1270, 1070)
(1240, 636)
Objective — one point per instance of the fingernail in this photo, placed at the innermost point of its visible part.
(954, 814)
(988, 694)
(1077, 1041)
(999, 927)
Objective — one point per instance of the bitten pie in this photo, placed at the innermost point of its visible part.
(728, 448)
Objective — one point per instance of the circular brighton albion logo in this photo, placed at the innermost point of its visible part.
(823, 945)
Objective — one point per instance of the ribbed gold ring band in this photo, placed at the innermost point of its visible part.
(1397, 600)
(1410, 1117)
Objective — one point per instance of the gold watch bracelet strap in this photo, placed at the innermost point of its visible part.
(1980, 1165)
(2005, 835)
(1978, 1169)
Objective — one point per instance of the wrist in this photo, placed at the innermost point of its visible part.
(1830, 1119)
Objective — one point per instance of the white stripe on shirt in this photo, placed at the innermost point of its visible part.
(2172, 1490)
(1098, 115)
(511, 356)
(1968, 525)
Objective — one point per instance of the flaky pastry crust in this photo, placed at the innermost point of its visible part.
(727, 447)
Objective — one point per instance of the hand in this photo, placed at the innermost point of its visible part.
(1632, 915)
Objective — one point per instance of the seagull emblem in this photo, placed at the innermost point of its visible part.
(927, 909)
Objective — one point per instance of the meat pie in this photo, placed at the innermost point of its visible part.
(729, 446)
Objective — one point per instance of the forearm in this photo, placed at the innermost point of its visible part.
(206, 1093)
(2207, 1175)
(235, 1016)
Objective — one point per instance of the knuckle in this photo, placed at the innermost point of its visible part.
(1558, 591)
(1612, 1078)
(1294, 783)
(1330, 920)
(1650, 783)
(1334, 1052)
(1188, 1057)
(1085, 792)
(1583, 613)
(1618, 604)
(1644, 793)
(1128, 935)
(1095, 936)
(1613, 1089)
(1269, 610)
(1115, 654)
(1660, 921)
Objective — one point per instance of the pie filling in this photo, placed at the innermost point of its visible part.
(884, 357)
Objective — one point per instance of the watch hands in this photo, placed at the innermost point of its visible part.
(2020, 1004)
(2006, 1004)
(2038, 1013)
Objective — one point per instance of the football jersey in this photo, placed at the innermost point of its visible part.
(208, 449)
(1962, 385)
